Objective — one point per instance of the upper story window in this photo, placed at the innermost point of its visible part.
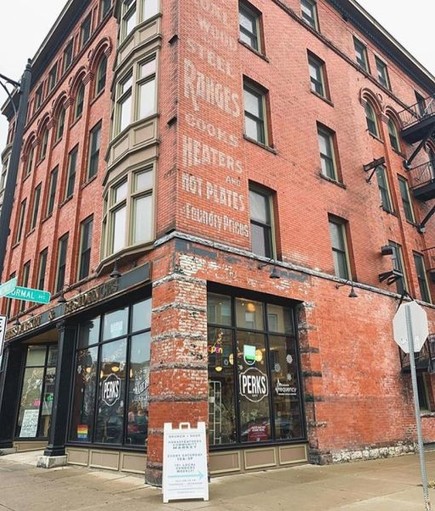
(21, 219)
(421, 277)
(67, 56)
(328, 158)
(384, 189)
(105, 6)
(71, 176)
(135, 12)
(29, 160)
(42, 268)
(35, 207)
(129, 211)
(421, 103)
(318, 81)
(406, 200)
(94, 150)
(38, 98)
(44, 144)
(4, 174)
(62, 251)
(100, 80)
(260, 203)
(86, 228)
(137, 103)
(60, 123)
(361, 54)
(80, 100)
(85, 30)
(340, 250)
(382, 71)
(52, 191)
(124, 103)
(398, 265)
(52, 78)
(146, 85)
(249, 25)
(255, 100)
(309, 13)
(371, 119)
(393, 135)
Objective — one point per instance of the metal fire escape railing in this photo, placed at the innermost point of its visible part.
(417, 112)
(424, 360)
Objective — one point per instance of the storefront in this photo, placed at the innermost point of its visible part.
(111, 378)
(254, 376)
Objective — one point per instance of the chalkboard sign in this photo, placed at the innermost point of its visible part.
(29, 426)
(184, 462)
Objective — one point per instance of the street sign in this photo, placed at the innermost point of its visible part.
(30, 295)
(420, 328)
(8, 286)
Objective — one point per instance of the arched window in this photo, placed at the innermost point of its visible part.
(80, 97)
(60, 123)
(100, 79)
(372, 122)
(393, 134)
(28, 166)
(44, 144)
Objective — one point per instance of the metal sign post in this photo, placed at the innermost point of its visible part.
(410, 335)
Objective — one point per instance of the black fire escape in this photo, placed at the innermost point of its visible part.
(418, 127)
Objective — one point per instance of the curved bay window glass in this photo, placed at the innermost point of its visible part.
(254, 385)
(37, 393)
(110, 403)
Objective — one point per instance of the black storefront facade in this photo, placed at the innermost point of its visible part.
(52, 359)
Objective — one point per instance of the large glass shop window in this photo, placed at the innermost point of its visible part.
(254, 386)
(110, 403)
(37, 392)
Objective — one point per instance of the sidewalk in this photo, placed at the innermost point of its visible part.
(392, 484)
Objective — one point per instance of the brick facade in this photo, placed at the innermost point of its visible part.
(202, 163)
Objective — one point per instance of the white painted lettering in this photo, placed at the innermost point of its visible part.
(198, 86)
(196, 153)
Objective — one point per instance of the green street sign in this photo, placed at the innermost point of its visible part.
(8, 287)
(30, 295)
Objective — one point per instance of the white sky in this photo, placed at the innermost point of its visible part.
(25, 23)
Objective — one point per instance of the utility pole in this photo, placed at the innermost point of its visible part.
(14, 160)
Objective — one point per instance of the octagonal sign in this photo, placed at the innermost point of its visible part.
(420, 328)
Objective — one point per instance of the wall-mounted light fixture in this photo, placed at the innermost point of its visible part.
(115, 273)
(274, 272)
(352, 293)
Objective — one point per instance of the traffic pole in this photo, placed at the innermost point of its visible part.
(427, 505)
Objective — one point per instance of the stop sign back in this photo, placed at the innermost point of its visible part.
(419, 326)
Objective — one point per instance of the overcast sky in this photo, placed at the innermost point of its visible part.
(25, 23)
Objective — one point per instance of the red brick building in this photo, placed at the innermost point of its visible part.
(227, 201)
